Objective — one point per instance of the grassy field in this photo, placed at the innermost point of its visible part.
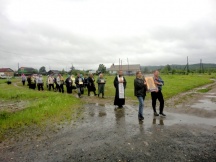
(174, 84)
(39, 107)
(51, 106)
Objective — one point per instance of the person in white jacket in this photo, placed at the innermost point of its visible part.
(23, 79)
(51, 82)
(40, 83)
(60, 83)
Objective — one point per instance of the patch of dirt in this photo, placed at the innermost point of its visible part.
(12, 106)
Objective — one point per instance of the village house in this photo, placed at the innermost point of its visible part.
(7, 71)
(53, 72)
(127, 69)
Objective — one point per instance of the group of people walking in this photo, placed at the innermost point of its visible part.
(33, 81)
(57, 83)
(80, 83)
(140, 89)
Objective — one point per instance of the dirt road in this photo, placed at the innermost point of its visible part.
(103, 133)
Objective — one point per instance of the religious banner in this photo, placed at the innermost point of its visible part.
(150, 84)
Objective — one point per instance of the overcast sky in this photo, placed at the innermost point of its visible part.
(86, 33)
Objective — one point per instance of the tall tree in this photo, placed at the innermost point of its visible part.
(102, 68)
(167, 69)
(72, 70)
(42, 70)
(63, 71)
(146, 70)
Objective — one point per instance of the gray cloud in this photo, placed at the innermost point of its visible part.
(36, 45)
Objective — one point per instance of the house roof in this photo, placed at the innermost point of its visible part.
(6, 70)
(54, 71)
(134, 67)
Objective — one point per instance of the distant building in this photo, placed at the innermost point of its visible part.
(53, 72)
(26, 71)
(7, 71)
(92, 72)
(127, 69)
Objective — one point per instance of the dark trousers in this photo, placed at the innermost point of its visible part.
(40, 86)
(56, 87)
(157, 95)
(51, 85)
(91, 91)
(32, 86)
(23, 82)
(61, 88)
(69, 89)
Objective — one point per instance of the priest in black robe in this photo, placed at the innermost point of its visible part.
(69, 83)
(120, 85)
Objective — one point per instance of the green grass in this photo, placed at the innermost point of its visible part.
(46, 106)
(40, 108)
(204, 90)
(174, 84)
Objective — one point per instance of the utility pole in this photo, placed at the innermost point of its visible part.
(200, 65)
(128, 67)
(119, 63)
(202, 68)
(18, 68)
(187, 66)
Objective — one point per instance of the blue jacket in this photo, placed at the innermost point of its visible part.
(160, 81)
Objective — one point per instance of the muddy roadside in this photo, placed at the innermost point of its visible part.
(103, 133)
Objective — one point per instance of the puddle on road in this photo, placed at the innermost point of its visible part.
(208, 103)
(125, 120)
(205, 104)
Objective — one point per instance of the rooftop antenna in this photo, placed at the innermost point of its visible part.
(121, 64)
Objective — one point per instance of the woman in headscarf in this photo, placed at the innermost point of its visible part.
(23, 79)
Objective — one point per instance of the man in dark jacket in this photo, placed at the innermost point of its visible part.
(140, 92)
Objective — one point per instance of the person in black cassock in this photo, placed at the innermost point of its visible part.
(120, 85)
(85, 81)
(69, 83)
(91, 85)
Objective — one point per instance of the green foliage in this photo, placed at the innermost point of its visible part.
(4, 115)
(63, 72)
(204, 90)
(174, 84)
(167, 69)
(40, 108)
(102, 68)
(146, 70)
(42, 70)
